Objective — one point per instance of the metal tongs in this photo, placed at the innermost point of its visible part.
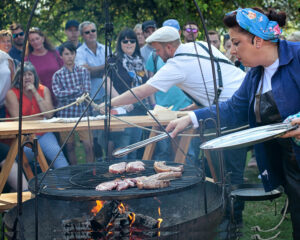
(120, 152)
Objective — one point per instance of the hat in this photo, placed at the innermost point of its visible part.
(72, 23)
(172, 23)
(163, 34)
(147, 24)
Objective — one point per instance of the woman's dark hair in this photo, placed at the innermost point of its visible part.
(27, 67)
(47, 44)
(129, 34)
(67, 45)
(272, 14)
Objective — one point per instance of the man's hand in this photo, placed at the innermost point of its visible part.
(178, 125)
(191, 107)
(295, 133)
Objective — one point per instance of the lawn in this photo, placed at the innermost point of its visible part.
(265, 214)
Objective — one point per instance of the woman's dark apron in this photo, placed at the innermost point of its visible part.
(266, 112)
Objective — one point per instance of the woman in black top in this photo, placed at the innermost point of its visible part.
(126, 70)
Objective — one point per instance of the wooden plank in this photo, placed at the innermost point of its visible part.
(9, 200)
(27, 167)
(149, 149)
(184, 144)
(37, 126)
(6, 167)
(210, 165)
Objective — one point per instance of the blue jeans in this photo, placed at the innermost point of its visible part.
(50, 148)
(125, 138)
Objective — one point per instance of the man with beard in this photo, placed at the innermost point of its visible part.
(18, 41)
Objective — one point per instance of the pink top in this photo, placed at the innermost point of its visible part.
(46, 66)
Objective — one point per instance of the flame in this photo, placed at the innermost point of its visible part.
(121, 208)
(159, 221)
(98, 207)
(131, 217)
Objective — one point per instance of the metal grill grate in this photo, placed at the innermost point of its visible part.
(78, 182)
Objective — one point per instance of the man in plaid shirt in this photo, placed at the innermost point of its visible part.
(69, 83)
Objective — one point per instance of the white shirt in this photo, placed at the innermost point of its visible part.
(85, 55)
(268, 74)
(184, 72)
(5, 76)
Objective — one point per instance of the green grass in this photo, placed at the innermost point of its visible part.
(262, 213)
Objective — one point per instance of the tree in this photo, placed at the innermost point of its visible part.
(51, 15)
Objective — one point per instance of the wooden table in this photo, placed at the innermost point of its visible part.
(10, 130)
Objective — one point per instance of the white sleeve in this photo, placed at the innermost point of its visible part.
(166, 77)
(194, 119)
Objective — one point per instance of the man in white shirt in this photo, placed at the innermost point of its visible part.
(182, 69)
(188, 66)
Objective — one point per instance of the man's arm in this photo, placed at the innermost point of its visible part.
(126, 98)
(95, 71)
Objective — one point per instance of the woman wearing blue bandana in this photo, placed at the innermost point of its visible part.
(269, 94)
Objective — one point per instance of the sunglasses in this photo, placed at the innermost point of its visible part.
(88, 32)
(15, 35)
(132, 41)
(194, 30)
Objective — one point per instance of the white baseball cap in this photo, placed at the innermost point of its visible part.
(163, 34)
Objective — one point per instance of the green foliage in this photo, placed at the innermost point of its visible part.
(51, 15)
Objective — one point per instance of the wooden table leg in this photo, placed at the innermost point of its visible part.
(149, 149)
(9, 161)
(27, 167)
(210, 165)
(40, 156)
(184, 144)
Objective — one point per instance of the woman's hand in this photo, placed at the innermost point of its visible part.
(178, 125)
(30, 87)
(295, 133)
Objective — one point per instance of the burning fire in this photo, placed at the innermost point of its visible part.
(98, 207)
(159, 221)
(121, 208)
(131, 217)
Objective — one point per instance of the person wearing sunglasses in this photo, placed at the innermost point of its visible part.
(91, 55)
(190, 32)
(18, 41)
(130, 72)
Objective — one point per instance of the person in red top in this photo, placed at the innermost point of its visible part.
(36, 99)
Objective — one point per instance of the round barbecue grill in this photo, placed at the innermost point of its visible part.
(79, 182)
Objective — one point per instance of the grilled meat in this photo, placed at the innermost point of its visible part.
(117, 168)
(134, 167)
(160, 166)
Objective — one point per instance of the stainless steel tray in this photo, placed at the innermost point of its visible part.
(248, 137)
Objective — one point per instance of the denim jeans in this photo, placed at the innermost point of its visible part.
(50, 148)
(125, 138)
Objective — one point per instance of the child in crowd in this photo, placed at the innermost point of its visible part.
(69, 83)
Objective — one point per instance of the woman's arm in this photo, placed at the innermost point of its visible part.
(12, 69)
(45, 104)
(12, 104)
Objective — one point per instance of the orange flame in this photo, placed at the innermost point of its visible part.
(159, 221)
(131, 217)
(98, 207)
(121, 208)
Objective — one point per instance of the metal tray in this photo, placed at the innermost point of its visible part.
(253, 192)
(248, 137)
